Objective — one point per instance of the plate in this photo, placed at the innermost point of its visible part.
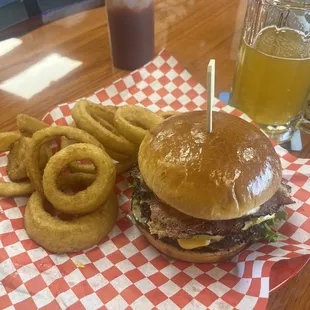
(284, 270)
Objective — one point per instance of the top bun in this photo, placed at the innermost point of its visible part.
(214, 176)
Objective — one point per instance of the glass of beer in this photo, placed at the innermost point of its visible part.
(272, 78)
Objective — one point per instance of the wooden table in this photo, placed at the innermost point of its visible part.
(192, 31)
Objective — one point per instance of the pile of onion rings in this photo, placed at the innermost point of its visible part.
(73, 222)
(72, 204)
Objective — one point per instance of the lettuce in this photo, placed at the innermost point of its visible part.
(133, 185)
(268, 233)
(281, 215)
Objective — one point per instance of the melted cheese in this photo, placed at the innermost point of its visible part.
(204, 240)
(198, 241)
(136, 211)
(257, 220)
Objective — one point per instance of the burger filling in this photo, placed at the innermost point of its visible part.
(186, 232)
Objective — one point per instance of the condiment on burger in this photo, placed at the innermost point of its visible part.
(203, 197)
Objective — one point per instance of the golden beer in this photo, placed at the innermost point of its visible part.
(272, 79)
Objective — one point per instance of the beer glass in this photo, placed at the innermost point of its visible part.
(272, 78)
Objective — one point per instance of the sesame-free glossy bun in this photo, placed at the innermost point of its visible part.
(214, 176)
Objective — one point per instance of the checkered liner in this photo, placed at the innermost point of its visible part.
(125, 271)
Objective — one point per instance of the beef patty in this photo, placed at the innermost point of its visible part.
(167, 222)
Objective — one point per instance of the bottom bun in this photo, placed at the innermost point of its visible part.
(192, 256)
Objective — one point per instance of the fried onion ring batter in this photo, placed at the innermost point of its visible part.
(59, 236)
(15, 189)
(133, 122)
(93, 196)
(28, 125)
(7, 139)
(102, 130)
(44, 135)
(8, 189)
(124, 163)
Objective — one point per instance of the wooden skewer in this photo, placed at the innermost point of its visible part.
(210, 92)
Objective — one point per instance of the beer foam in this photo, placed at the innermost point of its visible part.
(283, 43)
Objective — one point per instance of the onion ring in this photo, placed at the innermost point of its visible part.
(41, 137)
(8, 189)
(117, 156)
(89, 168)
(106, 112)
(168, 114)
(82, 115)
(7, 139)
(124, 163)
(16, 167)
(15, 189)
(133, 122)
(125, 166)
(93, 196)
(76, 166)
(58, 236)
(75, 180)
(28, 125)
(114, 155)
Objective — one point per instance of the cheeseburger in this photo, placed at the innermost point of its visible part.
(203, 197)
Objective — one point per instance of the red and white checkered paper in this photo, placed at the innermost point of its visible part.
(125, 271)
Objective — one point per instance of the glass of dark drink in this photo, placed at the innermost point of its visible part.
(131, 25)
